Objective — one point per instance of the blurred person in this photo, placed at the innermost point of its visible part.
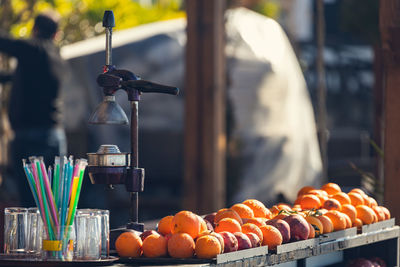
(273, 144)
(34, 106)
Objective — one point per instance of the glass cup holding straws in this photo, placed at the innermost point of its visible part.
(56, 195)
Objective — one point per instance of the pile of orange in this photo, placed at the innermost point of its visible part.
(185, 234)
(342, 210)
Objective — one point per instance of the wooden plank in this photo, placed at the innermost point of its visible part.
(346, 233)
(390, 37)
(309, 243)
(242, 254)
(205, 141)
(377, 226)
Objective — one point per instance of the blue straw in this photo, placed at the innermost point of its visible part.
(31, 182)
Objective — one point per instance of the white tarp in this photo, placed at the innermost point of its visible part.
(273, 133)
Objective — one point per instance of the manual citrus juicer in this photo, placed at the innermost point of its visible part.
(108, 165)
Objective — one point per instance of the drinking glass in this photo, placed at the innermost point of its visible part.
(60, 247)
(15, 230)
(88, 234)
(34, 232)
(105, 233)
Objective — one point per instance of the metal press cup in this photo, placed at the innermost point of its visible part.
(15, 230)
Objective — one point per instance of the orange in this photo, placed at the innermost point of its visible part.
(350, 211)
(366, 200)
(227, 213)
(207, 247)
(155, 246)
(317, 224)
(365, 214)
(275, 209)
(386, 211)
(349, 224)
(203, 224)
(252, 228)
(312, 231)
(317, 192)
(331, 188)
(257, 221)
(129, 244)
(375, 217)
(323, 198)
(220, 239)
(258, 208)
(326, 223)
(342, 197)
(358, 223)
(372, 202)
(186, 222)
(284, 206)
(296, 208)
(229, 225)
(322, 211)
(181, 245)
(308, 202)
(304, 190)
(243, 210)
(165, 225)
(271, 236)
(321, 194)
(338, 221)
(332, 204)
(206, 232)
(356, 199)
(358, 191)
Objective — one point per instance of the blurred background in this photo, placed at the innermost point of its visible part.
(149, 39)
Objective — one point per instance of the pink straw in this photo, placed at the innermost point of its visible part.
(49, 193)
(37, 183)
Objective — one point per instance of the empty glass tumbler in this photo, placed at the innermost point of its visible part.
(15, 230)
(34, 232)
(88, 234)
(105, 233)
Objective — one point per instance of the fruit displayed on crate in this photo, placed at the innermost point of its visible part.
(251, 224)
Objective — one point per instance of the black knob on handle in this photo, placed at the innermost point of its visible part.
(108, 19)
(150, 87)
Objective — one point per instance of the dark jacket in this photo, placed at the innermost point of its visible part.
(36, 82)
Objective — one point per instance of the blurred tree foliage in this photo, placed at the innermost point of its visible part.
(81, 19)
(269, 8)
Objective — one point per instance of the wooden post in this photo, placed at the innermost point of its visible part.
(390, 35)
(321, 115)
(205, 97)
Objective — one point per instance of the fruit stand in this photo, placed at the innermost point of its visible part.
(378, 240)
(325, 227)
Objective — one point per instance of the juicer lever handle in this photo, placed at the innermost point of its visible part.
(149, 87)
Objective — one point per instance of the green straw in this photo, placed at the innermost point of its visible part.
(78, 192)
